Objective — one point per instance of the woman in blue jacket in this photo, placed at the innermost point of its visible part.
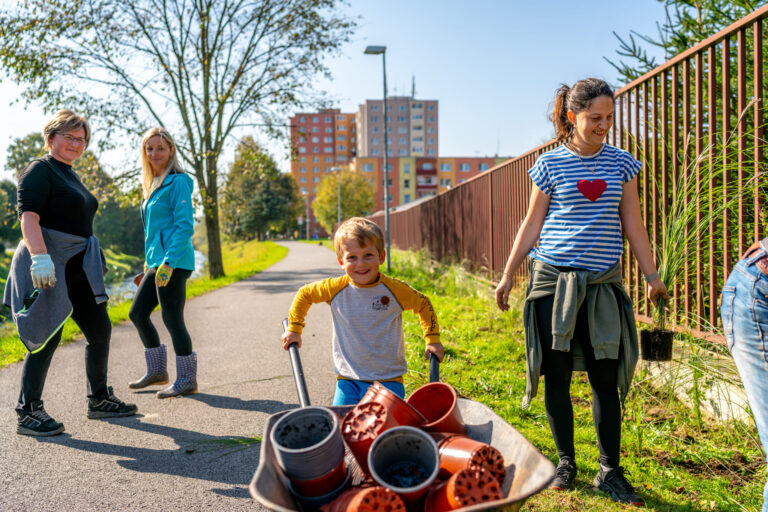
(167, 215)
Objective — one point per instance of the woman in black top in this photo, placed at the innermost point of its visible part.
(52, 202)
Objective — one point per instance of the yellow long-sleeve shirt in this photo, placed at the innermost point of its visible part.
(368, 339)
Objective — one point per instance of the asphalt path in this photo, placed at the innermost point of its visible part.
(190, 453)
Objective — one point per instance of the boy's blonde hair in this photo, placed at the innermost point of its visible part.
(362, 231)
(65, 121)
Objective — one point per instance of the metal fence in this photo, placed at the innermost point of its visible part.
(669, 119)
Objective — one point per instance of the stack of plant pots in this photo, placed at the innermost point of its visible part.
(310, 451)
(416, 451)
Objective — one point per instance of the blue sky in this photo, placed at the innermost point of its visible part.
(492, 64)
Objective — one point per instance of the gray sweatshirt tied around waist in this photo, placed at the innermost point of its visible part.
(37, 323)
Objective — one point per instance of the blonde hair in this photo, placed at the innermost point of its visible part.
(362, 231)
(65, 121)
(147, 176)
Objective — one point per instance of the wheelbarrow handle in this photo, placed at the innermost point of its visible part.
(298, 371)
(434, 368)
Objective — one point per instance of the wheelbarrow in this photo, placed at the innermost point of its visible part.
(528, 471)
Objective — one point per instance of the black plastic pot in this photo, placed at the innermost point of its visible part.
(656, 345)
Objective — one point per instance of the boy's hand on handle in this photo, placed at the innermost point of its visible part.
(657, 289)
(434, 348)
(502, 292)
(290, 337)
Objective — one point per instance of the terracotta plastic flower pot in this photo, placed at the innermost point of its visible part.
(460, 452)
(366, 499)
(308, 443)
(437, 402)
(361, 426)
(323, 485)
(466, 488)
(403, 413)
(405, 460)
(313, 502)
(656, 345)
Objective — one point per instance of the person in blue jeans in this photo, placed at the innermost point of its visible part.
(744, 311)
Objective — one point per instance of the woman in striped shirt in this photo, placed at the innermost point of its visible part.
(577, 315)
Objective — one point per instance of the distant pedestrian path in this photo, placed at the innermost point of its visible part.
(180, 453)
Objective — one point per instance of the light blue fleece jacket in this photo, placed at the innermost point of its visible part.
(168, 224)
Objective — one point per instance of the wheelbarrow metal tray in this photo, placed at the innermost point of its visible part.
(528, 471)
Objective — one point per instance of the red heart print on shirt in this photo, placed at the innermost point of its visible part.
(591, 189)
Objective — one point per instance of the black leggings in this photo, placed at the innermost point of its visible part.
(93, 321)
(557, 367)
(171, 298)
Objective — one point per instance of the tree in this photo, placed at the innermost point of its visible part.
(687, 23)
(257, 196)
(212, 66)
(356, 198)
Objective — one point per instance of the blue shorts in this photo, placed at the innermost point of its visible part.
(350, 392)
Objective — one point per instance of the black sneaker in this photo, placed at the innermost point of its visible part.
(36, 422)
(615, 483)
(565, 473)
(109, 407)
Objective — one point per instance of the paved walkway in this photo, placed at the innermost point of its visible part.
(176, 454)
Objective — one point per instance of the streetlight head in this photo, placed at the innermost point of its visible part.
(375, 50)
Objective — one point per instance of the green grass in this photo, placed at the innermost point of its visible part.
(241, 259)
(673, 462)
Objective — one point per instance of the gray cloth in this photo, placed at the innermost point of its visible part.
(38, 322)
(609, 312)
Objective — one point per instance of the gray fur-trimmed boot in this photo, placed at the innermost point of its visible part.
(186, 378)
(157, 368)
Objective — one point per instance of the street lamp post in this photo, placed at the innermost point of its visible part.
(376, 50)
(338, 194)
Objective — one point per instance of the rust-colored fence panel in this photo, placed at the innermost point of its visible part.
(701, 110)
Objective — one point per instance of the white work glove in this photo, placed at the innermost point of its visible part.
(43, 275)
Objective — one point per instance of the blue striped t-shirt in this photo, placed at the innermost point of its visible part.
(582, 228)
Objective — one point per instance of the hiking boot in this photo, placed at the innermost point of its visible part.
(36, 422)
(109, 407)
(615, 483)
(565, 473)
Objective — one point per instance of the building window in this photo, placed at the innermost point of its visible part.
(427, 166)
(462, 180)
(417, 117)
(482, 167)
(418, 139)
(374, 108)
(403, 152)
(407, 198)
(431, 152)
(303, 190)
(445, 182)
(341, 137)
(368, 167)
(315, 119)
(315, 159)
(464, 167)
(389, 118)
(375, 140)
(303, 169)
(375, 129)
(303, 159)
(341, 158)
(430, 141)
(329, 129)
(402, 140)
(407, 168)
(389, 140)
(406, 183)
(375, 152)
(389, 169)
(341, 147)
(430, 130)
(328, 119)
(302, 139)
(315, 129)
(341, 128)
(445, 167)
(302, 149)
(374, 119)
(317, 179)
(329, 159)
(418, 128)
(384, 181)
(302, 119)
(417, 150)
(430, 107)
(315, 149)
(402, 119)
(402, 108)
(328, 140)
(416, 105)
(328, 149)
(315, 169)
(341, 118)
(328, 169)
(430, 119)
(315, 140)
(402, 129)
(303, 179)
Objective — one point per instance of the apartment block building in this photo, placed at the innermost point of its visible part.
(320, 142)
(411, 124)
